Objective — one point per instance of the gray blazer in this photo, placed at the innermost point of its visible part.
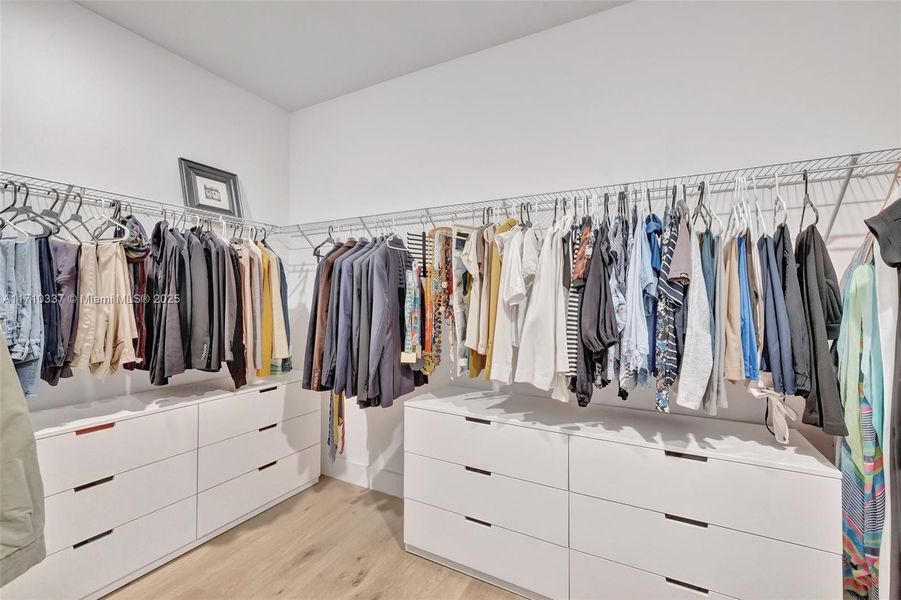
(344, 315)
(352, 386)
(200, 302)
(388, 377)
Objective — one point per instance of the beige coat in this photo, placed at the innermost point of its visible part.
(21, 488)
(734, 366)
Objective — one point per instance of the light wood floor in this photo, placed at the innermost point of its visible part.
(330, 542)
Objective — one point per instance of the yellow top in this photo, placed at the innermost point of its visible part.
(266, 333)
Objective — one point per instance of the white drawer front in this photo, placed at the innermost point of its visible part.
(592, 578)
(530, 454)
(76, 515)
(77, 572)
(523, 561)
(536, 510)
(235, 456)
(227, 417)
(74, 459)
(233, 499)
(730, 562)
(796, 507)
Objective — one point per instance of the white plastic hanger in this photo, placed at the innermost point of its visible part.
(757, 210)
(778, 203)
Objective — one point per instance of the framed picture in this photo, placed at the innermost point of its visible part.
(208, 188)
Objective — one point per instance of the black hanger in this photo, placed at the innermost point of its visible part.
(808, 202)
(702, 209)
(606, 206)
(327, 240)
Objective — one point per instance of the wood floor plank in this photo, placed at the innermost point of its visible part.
(335, 541)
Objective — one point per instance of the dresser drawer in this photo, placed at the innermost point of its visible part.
(536, 510)
(795, 507)
(233, 499)
(241, 454)
(76, 515)
(227, 417)
(521, 452)
(592, 578)
(711, 557)
(517, 559)
(74, 459)
(77, 572)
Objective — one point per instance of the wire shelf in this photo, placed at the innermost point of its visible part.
(840, 170)
(49, 190)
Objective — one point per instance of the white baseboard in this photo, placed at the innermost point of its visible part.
(367, 476)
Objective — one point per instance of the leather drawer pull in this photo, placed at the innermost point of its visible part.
(93, 483)
(478, 522)
(269, 389)
(479, 421)
(687, 586)
(267, 465)
(94, 428)
(686, 521)
(675, 454)
(267, 427)
(92, 539)
(479, 471)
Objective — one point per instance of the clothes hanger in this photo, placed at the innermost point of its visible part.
(316, 249)
(760, 220)
(21, 234)
(778, 203)
(26, 213)
(808, 202)
(51, 214)
(113, 222)
(76, 217)
(701, 209)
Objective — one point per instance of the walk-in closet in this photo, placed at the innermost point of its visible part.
(450, 300)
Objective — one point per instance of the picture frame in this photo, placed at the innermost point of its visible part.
(208, 188)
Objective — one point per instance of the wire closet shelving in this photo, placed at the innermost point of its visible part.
(838, 170)
(49, 190)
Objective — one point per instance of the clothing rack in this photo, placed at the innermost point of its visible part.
(840, 169)
(48, 189)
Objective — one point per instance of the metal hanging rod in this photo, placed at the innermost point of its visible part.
(48, 189)
(839, 168)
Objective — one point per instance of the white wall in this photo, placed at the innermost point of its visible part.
(88, 102)
(649, 89)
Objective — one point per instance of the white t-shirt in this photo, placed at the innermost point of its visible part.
(511, 295)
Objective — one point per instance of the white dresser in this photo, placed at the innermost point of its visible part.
(132, 482)
(551, 500)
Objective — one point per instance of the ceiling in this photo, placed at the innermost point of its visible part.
(296, 54)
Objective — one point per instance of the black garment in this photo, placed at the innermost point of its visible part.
(307, 380)
(183, 265)
(886, 227)
(797, 321)
(237, 367)
(211, 251)
(598, 327)
(822, 302)
(153, 311)
(54, 353)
